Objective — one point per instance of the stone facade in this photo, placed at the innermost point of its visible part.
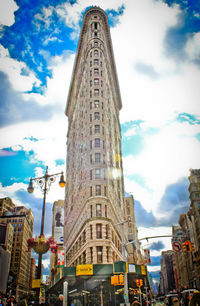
(94, 200)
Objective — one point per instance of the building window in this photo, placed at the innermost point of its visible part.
(97, 142)
(107, 253)
(96, 92)
(90, 63)
(99, 254)
(99, 231)
(84, 257)
(91, 233)
(107, 230)
(98, 210)
(91, 254)
(96, 103)
(96, 52)
(91, 193)
(97, 129)
(90, 144)
(90, 117)
(98, 190)
(96, 116)
(90, 72)
(95, 25)
(90, 82)
(90, 105)
(96, 61)
(103, 130)
(90, 174)
(90, 130)
(90, 94)
(97, 173)
(90, 158)
(97, 157)
(105, 206)
(96, 81)
(96, 71)
(96, 43)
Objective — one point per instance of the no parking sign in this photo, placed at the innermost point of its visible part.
(176, 246)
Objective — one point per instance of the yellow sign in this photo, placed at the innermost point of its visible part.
(84, 270)
(36, 283)
(143, 270)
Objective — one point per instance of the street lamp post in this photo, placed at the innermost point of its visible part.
(44, 182)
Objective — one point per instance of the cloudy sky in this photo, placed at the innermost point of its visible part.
(157, 52)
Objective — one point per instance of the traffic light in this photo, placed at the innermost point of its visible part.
(191, 246)
(137, 282)
(141, 283)
(186, 246)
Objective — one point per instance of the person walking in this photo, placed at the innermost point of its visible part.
(60, 300)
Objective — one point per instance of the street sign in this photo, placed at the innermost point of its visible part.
(84, 270)
(176, 246)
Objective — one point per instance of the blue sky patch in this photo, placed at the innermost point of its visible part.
(191, 119)
(16, 167)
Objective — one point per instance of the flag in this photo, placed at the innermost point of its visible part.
(147, 256)
(61, 257)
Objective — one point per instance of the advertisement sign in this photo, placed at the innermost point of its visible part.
(36, 283)
(61, 258)
(59, 224)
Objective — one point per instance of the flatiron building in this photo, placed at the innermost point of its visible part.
(94, 201)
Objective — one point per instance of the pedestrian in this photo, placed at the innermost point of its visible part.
(11, 301)
(195, 300)
(60, 300)
(135, 301)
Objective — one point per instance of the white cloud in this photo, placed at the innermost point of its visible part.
(13, 69)
(58, 84)
(193, 47)
(7, 9)
(166, 157)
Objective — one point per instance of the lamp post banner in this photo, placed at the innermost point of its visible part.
(59, 224)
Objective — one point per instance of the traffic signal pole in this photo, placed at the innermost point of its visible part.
(126, 297)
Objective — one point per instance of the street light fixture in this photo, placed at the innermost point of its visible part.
(44, 182)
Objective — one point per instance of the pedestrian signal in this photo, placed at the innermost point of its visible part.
(186, 246)
(121, 279)
(114, 280)
(117, 280)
